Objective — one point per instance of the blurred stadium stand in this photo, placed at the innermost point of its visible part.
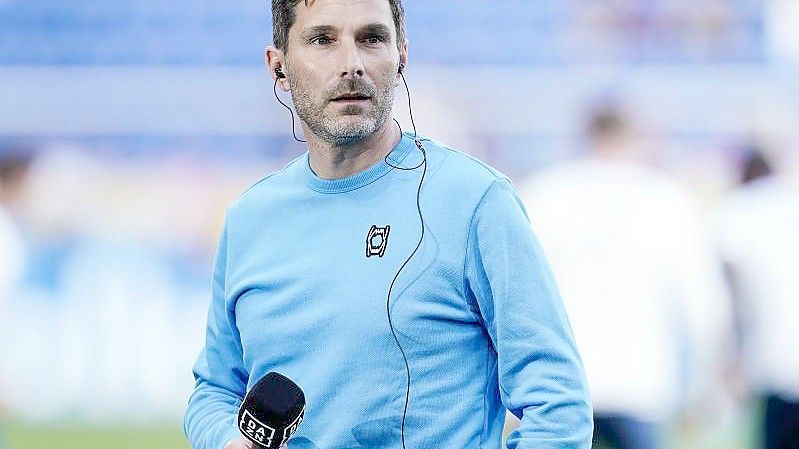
(453, 32)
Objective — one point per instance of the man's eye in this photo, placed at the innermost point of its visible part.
(321, 40)
(374, 39)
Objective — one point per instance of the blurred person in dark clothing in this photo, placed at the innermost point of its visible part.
(639, 281)
(758, 229)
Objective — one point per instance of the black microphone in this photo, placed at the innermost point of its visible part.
(272, 411)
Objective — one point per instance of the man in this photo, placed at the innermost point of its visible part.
(14, 163)
(313, 258)
(758, 237)
(13, 170)
(639, 281)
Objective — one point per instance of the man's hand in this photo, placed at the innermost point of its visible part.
(239, 443)
(242, 443)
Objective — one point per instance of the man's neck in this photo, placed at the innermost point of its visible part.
(336, 162)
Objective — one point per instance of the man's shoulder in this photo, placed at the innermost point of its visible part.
(455, 169)
(269, 188)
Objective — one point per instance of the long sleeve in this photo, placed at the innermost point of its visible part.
(220, 376)
(541, 378)
(704, 306)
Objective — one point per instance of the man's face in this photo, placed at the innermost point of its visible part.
(342, 60)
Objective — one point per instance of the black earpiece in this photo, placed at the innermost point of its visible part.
(401, 68)
(279, 75)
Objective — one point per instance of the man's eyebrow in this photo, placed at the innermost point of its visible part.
(376, 28)
(317, 30)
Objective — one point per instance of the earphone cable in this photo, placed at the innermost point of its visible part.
(418, 245)
(291, 112)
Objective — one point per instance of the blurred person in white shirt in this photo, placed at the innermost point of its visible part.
(13, 169)
(758, 233)
(644, 292)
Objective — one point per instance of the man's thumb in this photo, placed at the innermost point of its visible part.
(239, 443)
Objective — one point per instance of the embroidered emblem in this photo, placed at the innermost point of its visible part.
(377, 241)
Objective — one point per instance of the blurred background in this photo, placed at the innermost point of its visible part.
(646, 136)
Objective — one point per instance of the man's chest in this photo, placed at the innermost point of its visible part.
(330, 273)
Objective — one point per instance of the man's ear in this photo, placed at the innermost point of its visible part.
(403, 61)
(275, 64)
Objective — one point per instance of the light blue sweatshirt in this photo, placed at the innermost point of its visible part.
(300, 288)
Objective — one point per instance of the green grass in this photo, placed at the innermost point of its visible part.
(82, 436)
(28, 436)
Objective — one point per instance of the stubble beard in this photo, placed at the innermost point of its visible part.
(338, 130)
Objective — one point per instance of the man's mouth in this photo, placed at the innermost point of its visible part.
(351, 97)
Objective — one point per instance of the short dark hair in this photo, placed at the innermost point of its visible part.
(607, 122)
(755, 165)
(283, 17)
(15, 160)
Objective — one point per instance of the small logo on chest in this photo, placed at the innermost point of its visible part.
(377, 241)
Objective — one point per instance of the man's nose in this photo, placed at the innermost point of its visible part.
(352, 62)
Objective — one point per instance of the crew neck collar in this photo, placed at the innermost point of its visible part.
(363, 178)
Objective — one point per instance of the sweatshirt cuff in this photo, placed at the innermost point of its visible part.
(227, 432)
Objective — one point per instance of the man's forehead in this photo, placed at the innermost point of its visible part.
(342, 14)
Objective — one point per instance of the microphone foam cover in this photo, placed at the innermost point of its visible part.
(272, 411)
